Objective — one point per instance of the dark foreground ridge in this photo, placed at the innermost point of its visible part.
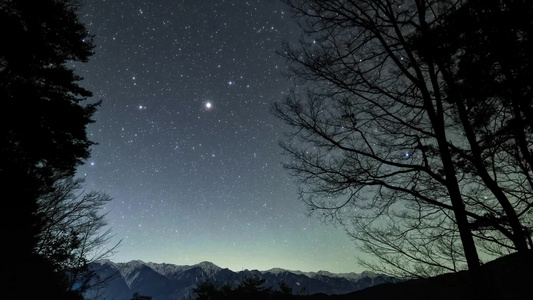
(509, 277)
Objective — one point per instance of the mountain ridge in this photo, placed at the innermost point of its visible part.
(272, 270)
(164, 281)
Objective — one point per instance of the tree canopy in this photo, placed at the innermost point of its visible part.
(42, 126)
(401, 121)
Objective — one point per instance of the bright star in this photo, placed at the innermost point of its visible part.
(208, 105)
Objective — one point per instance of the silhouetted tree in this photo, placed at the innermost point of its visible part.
(137, 296)
(483, 50)
(285, 289)
(208, 291)
(249, 288)
(73, 233)
(252, 288)
(380, 144)
(42, 125)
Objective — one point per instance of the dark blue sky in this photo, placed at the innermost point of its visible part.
(190, 182)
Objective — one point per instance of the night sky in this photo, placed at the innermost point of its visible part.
(187, 146)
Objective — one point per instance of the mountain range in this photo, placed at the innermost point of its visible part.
(163, 281)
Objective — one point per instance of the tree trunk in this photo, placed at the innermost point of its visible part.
(459, 211)
(519, 238)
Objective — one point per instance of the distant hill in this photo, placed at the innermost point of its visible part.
(506, 278)
(172, 282)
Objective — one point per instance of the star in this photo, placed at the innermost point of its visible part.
(186, 124)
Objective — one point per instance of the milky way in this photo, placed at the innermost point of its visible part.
(187, 146)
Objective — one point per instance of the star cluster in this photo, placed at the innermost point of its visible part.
(186, 144)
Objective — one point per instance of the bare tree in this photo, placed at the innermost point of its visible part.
(380, 144)
(74, 230)
(492, 102)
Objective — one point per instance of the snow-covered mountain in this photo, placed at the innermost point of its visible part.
(172, 282)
